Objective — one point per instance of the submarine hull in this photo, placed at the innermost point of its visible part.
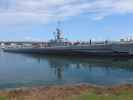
(102, 50)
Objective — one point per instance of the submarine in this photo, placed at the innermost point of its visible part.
(62, 46)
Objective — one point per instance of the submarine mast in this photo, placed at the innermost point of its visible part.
(58, 33)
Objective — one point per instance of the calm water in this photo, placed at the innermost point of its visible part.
(18, 70)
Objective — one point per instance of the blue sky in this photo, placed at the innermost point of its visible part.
(80, 19)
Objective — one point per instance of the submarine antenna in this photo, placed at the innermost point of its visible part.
(59, 24)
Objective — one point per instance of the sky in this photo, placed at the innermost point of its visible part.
(36, 20)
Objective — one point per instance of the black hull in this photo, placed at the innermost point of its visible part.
(68, 52)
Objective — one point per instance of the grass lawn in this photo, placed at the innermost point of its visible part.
(94, 96)
(3, 98)
(81, 92)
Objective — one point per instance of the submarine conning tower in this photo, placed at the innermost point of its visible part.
(59, 40)
(58, 34)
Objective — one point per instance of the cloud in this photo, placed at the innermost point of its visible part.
(17, 12)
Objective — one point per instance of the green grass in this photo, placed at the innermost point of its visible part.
(94, 96)
(3, 98)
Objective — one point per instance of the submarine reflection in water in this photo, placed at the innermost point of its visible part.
(99, 71)
(18, 70)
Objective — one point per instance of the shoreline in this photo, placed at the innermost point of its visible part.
(62, 92)
(64, 85)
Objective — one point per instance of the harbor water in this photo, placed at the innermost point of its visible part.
(26, 70)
